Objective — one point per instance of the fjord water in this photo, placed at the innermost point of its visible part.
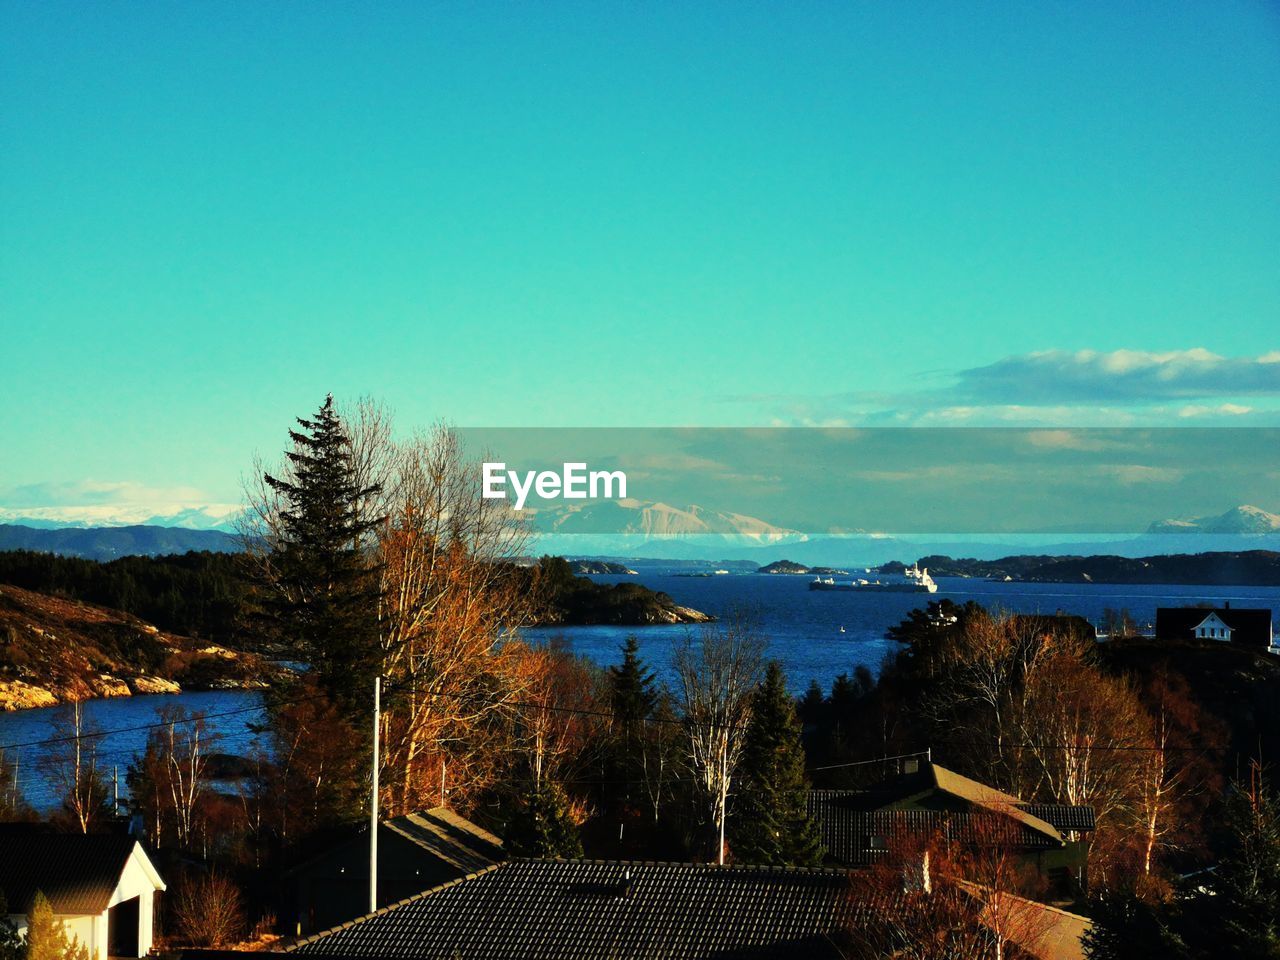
(802, 628)
(127, 719)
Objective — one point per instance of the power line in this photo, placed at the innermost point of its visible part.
(862, 763)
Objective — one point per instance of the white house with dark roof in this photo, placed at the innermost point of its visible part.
(102, 888)
(1238, 626)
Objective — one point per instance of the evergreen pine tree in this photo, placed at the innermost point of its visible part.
(324, 593)
(770, 822)
(632, 700)
(542, 826)
(631, 693)
(47, 937)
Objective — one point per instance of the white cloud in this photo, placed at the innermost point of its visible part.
(1220, 410)
(1125, 377)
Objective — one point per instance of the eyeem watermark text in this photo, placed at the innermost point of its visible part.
(574, 482)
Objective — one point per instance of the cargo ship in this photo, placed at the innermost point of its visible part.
(914, 580)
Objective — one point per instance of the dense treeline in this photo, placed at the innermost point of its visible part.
(1245, 567)
(208, 595)
(197, 594)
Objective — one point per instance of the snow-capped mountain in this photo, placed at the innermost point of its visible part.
(211, 516)
(631, 527)
(646, 519)
(1243, 519)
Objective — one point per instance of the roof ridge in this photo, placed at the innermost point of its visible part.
(759, 867)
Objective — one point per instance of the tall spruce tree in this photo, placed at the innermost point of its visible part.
(631, 693)
(632, 700)
(770, 823)
(324, 599)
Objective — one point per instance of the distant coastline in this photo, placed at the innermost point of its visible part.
(1257, 568)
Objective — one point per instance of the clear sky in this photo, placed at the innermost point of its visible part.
(624, 214)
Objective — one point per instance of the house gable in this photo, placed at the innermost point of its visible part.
(1212, 627)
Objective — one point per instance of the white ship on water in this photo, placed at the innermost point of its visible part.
(914, 580)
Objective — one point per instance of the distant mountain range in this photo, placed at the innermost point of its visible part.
(210, 516)
(107, 543)
(646, 519)
(1243, 519)
(631, 528)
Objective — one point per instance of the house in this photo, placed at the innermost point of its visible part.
(103, 888)
(593, 909)
(415, 852)
(864, 827)
(1250, 628)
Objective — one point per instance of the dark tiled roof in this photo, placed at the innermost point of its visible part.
(859, 838)
(594, 910)
(1063, 816)
(1249, 626)
(76, 872)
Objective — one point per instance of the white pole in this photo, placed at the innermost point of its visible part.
(373, 799)
(724, 795)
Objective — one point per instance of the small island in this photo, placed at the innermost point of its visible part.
(790, 568)
(571, 600)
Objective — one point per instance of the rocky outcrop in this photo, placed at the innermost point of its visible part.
(679, 614)
(151, 685)
(17, 695)
(105, 685)
(54, 650)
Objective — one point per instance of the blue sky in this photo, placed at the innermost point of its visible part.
(621, 215)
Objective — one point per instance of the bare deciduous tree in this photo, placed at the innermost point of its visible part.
(72, 766)
(450, 606)
(716, 675)
(208, 911)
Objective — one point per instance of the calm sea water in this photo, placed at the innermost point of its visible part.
(803, 628)
(127, 719)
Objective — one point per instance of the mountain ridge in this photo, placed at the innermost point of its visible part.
(1242, 519)
(109, 543)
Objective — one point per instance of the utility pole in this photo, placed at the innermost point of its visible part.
(724, 794)
(373, 799)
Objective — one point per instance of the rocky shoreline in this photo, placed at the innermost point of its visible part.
(54, 650)
(23, 695)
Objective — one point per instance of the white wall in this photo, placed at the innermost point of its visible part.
(91, 931)
(135, 882)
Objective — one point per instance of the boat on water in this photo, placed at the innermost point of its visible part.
(914, 580)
